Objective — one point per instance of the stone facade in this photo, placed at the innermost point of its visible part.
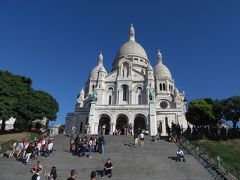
(133, 95)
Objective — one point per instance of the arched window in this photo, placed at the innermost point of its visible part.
(164, 87)
(110, 95)
(139, 95)
(150, 85)
(110, 100)
(125, 92)
(93, 87)
(160, 86)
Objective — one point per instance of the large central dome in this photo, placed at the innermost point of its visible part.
(132, 51)
(131, 47)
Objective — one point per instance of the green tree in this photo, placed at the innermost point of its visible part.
(12, 87)
(47, 106)
(231, 109)
(200, 113)
(26, 109)
(18, 99)
(217, 109)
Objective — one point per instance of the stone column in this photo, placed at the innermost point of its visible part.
(113, 127)
(118, 96)
(130, 97)
(153, 119)
(91, 118)
(96, 128)
(164, 132)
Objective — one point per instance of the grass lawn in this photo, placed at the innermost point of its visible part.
(28, 136)
(227, 149)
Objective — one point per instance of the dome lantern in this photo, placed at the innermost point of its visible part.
(132, 33)
(100, 58)
(159, 56)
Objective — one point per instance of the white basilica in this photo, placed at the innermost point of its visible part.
(132, 94)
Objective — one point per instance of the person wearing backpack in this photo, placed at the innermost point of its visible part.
(36, 176)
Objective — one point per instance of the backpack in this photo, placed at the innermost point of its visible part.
(34, 177)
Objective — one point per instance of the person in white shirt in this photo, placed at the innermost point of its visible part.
(49, 147)
(38, 148)
(142, 138)
(180, 155)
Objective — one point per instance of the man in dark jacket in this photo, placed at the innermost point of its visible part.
(29, 152)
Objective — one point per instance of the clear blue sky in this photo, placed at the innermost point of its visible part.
(56, 43)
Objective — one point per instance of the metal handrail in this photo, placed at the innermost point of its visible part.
(201, 151)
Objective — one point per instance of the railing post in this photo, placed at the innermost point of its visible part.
(197, 152)
(188, 145)
(218, 161)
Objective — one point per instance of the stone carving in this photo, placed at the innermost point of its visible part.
(125, 71)
(73, 130)
(95, 95)
(121, 70)
(151, 94)
(173, 96)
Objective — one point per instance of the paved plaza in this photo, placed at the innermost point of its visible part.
(151, 162)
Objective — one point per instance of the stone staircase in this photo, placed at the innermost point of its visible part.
(150, 162)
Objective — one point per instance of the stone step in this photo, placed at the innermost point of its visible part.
(149, 162)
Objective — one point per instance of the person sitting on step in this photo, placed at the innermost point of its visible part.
(107, 169)
(180, 155)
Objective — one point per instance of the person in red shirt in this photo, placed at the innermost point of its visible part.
(37, 167)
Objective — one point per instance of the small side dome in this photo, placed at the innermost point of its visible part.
(94, 73)
(160, 70)
(150, 68)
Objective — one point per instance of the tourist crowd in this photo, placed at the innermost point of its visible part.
(25, 150)
(174, 132)
(81, 145)
(221, 131)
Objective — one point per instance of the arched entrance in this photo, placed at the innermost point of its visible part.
(139, 124)
(122, 124)
(104, 124)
